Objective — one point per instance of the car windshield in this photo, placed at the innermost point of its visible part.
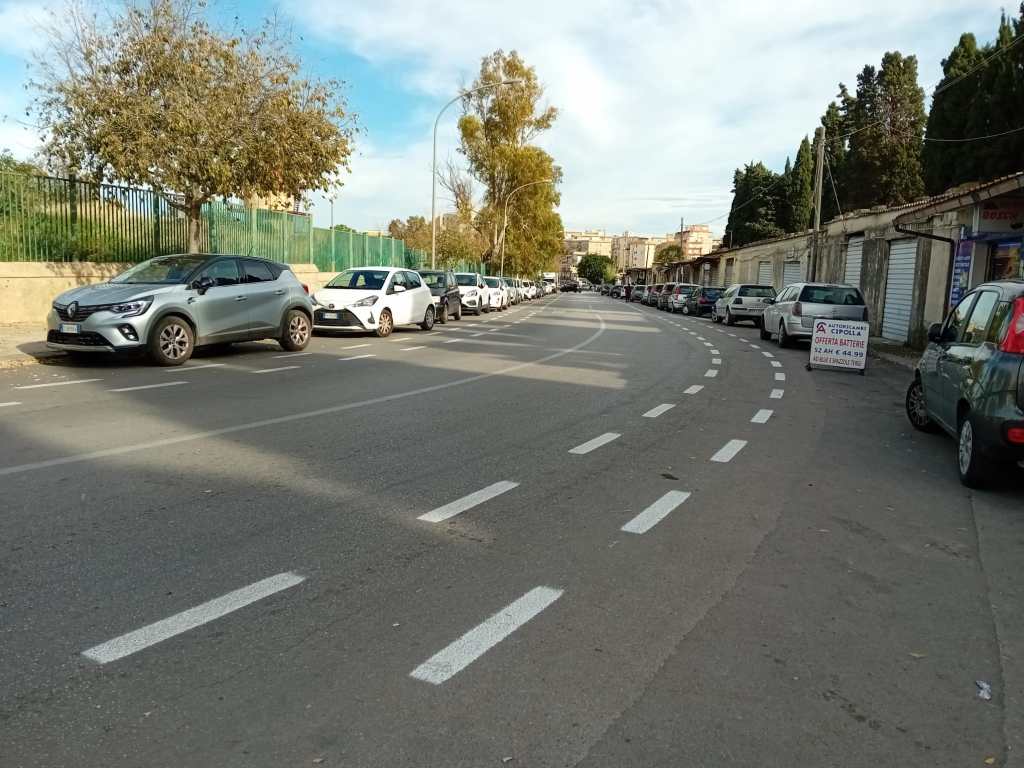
(712, 293)
(466, 279)
(360, 279)
(758, 291)
(166, 270)
(433, 279)
(831, 294)
(492, 282)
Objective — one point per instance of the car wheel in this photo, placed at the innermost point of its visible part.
(443, 317)
(171, 341)
(686, 309)
(428, 319)
(764, 333)
(458, 312)
(295, 337)
(714, 316)
(783, 336)
(385, 324)
(917, 410)
(729, 319)
(973, 472)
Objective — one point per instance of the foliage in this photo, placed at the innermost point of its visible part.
(9, 164)
(415, 231)
(755, 204)
(157, 97)
(596, 268)
(799, 191)
(667, 254)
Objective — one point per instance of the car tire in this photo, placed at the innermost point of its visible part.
(974, 472)
(764, 333)
(296, 331)
(714, 316)
(917, 411)
(442, 318)
(428, 319)
(784, 342)
(686, 309)
(385, 324)
(458, 313)
(729, 319)
(171, 341)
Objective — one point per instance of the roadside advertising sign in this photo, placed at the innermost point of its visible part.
(961, 272)
(839, 344)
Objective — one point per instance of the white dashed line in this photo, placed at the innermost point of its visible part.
(701, 338)
(452, 341)
(776, 364)
(716, 361)
(8, 405)
(411, 349)
(780, 376)
(356, 346)
(133, 642)
(768, 354)
(57, 383)
(762, 416)
(292, 354)
(657, 411)
(732, 335)
(754, 346)
(597, 442)
(715, 352)
(449, 661)
(777, 394)
(655, 513)
(710, 373)
(467, 502)
(356, 357)
(708, 344)
(277, 370)
(149, 386)
(183, 368)
(693, 390)
(728, 451)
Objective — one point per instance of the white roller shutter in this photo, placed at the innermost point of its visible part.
(854, 260)
(764, 273)
(791, 273)
(899, 290)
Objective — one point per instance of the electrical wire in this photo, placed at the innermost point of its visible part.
(835, 193)
(977, 138)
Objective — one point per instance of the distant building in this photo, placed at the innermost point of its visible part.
(579, 243)
(276, 202)
(695, 241)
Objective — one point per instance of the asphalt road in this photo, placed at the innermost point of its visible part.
(577, 533)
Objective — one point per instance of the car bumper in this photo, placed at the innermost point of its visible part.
(348, 319)
(795, 328)
(100, 332)
(740, 311)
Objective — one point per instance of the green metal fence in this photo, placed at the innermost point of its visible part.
(44, 218)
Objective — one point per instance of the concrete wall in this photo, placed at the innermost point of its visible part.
(29, 288)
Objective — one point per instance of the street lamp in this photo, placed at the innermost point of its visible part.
(433, 165)
(504, 224)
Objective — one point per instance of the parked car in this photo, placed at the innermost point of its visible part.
(374, 299)
(605, 289)
(570, 286)
(742, 301)
(169, 305)
(616, 291)
(531, 289)
(653, 294)
(498, 298)
(701, 300)
(666, 291)
(970, 380)
(791, 314)
(444, 289)
(474, 293)
(637, 294)
(513, 292)
(681, 292)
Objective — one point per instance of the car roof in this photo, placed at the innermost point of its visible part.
(1014, 286)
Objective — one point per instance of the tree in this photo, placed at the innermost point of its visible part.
(800, 190)
(667, 254)
(755, 201)
(9, 164)
(157, 97)
(415, 231)
(595, 268)
(497, 127)
(835, 123)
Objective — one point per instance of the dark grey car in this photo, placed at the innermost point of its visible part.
(970, 380)
(169, 305)
(445, 290)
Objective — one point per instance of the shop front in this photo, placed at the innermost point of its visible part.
(998, 236)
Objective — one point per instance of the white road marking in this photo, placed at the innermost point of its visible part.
(728, 451)
(762, 416)
(57, 383)
(435, 333)
(692, 333)
(715, 352)
(768, 354)
(182, 368)
(356, 357)
(711, 373)
(780, 376)
(701, 338)
(449, 661)
(716, 361)
(356, 346)
(655, 513)
(452, 341)
(276, 370)
(474, 335)
(597, 442)
(693, 390)
(777, 394)
(133, 642)
(658, 410)
(411, 349)
(754, 346)
(7, 405)
(149, 386)
(733, 335)
(467, 502)
(776, 364)
(292, 354)
(708, 344)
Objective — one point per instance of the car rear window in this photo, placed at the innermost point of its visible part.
(712, 293)
(466, 280)
(831, 294)
(758, 291)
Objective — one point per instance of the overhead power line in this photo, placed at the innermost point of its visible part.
(977, 138)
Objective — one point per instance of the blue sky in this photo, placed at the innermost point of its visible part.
(659, 99)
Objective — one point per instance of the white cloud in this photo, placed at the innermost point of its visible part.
(660, 99)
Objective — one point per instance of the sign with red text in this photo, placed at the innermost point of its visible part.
(839, 344)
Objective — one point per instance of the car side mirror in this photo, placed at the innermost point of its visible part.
(398, 288)
(203, 284)
(769, 301)
(935, 332)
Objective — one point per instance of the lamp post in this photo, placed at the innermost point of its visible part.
(504, 224)
(433, 164)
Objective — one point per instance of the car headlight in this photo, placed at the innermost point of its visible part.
(132, 308)
(471, 294)
(369, 301)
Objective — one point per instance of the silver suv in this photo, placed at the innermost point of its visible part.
(170, 305)
(791, 314)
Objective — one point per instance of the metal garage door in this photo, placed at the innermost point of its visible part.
(791, 273)
(764, 273)
(854, 259)
(730, 272)
(899, 290)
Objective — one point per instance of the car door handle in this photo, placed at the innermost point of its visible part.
(241, 298)
(279, 292)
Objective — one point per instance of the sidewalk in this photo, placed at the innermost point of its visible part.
(24, 344)
(897, 354)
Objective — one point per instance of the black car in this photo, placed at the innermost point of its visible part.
(702, 301)
(570, 286)
(444, 289)
(970, 380)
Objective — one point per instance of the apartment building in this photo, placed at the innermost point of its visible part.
(695, 241)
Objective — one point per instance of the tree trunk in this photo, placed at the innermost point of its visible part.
(195, 228)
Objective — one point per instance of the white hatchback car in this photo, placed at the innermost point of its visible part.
(474, 292)
(498, 298)
(373, 299)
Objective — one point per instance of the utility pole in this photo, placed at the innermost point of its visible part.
(819, 170)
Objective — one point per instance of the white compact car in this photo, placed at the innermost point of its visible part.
(498, 293)
(373, 299)
(474, 292)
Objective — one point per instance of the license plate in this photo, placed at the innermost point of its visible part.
(330, 315)
(74, 328)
